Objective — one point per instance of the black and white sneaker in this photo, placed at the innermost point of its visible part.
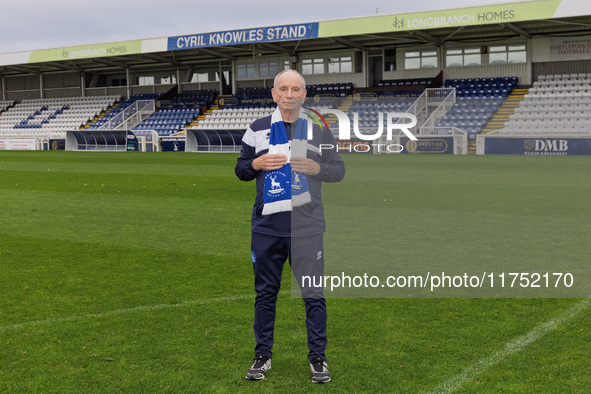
(260, 367)
(319, 369)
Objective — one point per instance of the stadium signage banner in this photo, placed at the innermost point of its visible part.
(244, 36)
(173, 144)
(234, 101)
(17, 144)
(558, 49)
(380, 94)
(502, 13)
(59, 144)
(132, 142)
(538, 146)
(439, 145)
(87, 51)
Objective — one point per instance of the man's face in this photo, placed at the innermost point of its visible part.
(289, 94)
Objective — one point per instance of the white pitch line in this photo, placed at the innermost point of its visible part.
(510, 348)
(123, 311)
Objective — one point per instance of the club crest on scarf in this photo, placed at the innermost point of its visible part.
(284, 188)
(275, 184)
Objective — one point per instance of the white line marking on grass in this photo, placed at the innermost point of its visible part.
(510, 348)
(127, 310)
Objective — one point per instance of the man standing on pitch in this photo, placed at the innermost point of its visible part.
(289, 165)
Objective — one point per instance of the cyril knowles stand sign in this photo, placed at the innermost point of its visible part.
(244, 36)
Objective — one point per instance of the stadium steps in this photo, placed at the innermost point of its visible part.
(331, 119)
(91, 121)
(502, 115)
(505, 110)
(99, 116)
(346, 104)
(6, 109)
(202, 116)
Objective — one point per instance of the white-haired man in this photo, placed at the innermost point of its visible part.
(288, 216)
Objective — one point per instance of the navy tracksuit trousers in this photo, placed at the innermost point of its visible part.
(306, 257)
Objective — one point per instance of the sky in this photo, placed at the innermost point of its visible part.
(43, 24)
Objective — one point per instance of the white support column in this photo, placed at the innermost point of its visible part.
(221, 77)
(364, 63)
(128, 77)
(41, 95)
(233, 76)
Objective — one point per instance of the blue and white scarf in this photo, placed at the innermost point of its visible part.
(285, 189)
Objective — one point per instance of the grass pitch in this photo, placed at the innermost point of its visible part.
(130, 272)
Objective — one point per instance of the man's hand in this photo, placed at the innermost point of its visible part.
(305, 166)
(269, 162)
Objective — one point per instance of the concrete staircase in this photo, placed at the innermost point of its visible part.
(502, 115)
(195, 122)
(331, 119)
(99, 116)
(506, 110)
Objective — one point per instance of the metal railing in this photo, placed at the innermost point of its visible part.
(130, 116)
(432, 104)
(444, 98)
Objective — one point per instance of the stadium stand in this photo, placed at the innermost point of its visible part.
(368, 111)
(336, 89)
(482, 87)
(260, 97)
(388, 64)
(222, 129)
(4, 105)
(167, 121)
(184, 109)
(235, 118)
(52, 117)
(471, 114)
(477, 100)
(112, 112)
(232, 118)
(191, 98)
(367, 103)
(407, 83)
(556, 104)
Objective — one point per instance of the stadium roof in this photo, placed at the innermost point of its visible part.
(474, 24)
